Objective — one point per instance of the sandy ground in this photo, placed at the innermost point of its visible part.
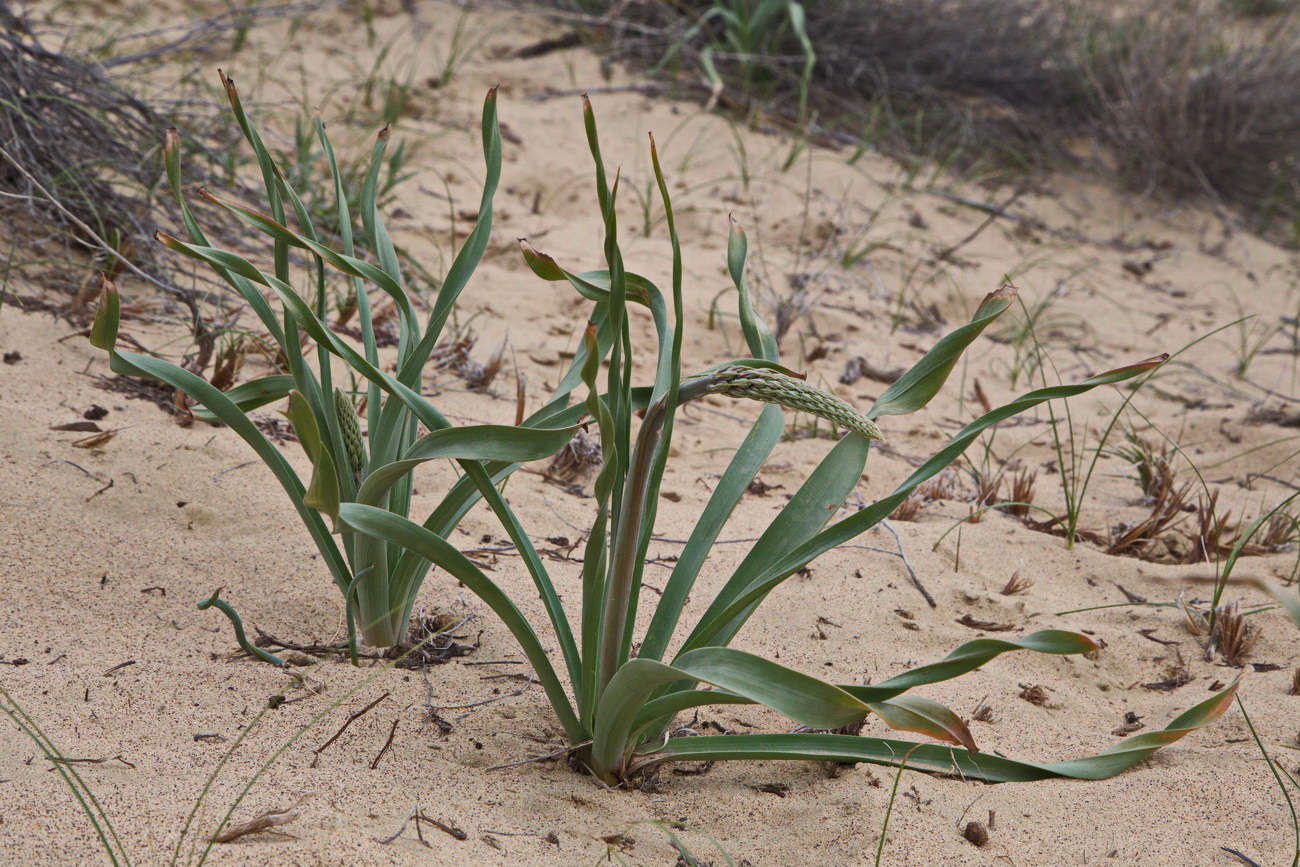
(99, 584)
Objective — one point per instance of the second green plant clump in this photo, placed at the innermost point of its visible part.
(615, 696)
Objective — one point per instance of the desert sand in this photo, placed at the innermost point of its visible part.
(104, 552)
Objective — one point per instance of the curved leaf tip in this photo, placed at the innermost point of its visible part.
(1146, 364)
(1002, 297)
(541, 264)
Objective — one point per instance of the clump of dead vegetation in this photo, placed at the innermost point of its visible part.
(1173, 97)
(79, 182)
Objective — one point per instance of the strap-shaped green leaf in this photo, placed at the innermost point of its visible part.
(816, 501)
(349, 265)
(103, 331)
(254, 393)
(595, 286)
(918, 386)
(742, 470)
(933, 758)
(966, 658)
(971, 656)
(132, 364)
(803, 698)
(480, 442)
(760, 339)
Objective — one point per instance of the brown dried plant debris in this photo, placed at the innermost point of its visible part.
(1022, 494)
(454, 354)
(1037, 695)
(574, 463)
(1016, 584)
(1132, 722)
(1295, 682)
(264, 823)
(987, 488)
(970, 621)
(1233, 635)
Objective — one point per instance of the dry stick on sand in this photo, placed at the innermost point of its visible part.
(388, 744)
(417, 817)
(262, 824)
(347, 722)
(910, 571)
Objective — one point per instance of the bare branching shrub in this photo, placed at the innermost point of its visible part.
(1187, 106)
(72, 145)
(1181, 97)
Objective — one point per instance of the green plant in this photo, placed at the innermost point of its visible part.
(619, 720)
(379, 581)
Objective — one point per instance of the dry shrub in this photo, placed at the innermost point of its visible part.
(576, 461)
(1187, 105)
(1177, 96)
(74, 144)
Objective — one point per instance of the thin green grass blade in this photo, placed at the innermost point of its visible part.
(90, 805)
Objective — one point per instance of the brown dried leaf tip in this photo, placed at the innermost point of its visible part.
(1295, 682)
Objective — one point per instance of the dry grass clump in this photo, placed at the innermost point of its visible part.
(70, 161)
(1167, 510)
(1022, 494)
(1178, 97)
(1188, 106)
(1227, 631)
(942, 487)
(1233, 634)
